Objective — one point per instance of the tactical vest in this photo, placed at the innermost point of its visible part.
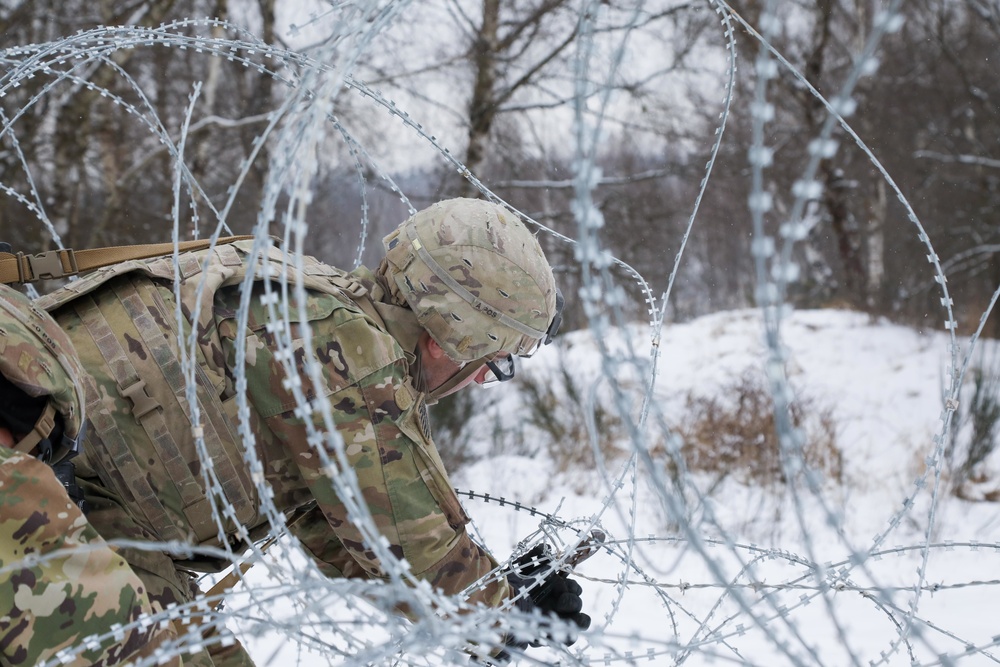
(145, 437)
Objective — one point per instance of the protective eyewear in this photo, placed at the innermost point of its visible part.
(501, 369)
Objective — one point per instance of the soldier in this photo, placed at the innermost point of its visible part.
(62, 589)
(463, 289)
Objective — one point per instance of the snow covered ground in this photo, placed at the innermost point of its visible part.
(883, 566)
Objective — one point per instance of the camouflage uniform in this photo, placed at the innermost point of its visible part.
(140, 468)
(59, 582)
(62, 589)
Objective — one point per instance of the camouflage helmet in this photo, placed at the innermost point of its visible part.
(41, 377)
(475, 278)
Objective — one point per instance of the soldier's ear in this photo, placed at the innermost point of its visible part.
(429, 346)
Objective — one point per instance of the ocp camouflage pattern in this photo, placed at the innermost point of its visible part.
(62, 588)
(141, 450)
(376, 411)
(484, 249)
(37, 357)
(141, 469)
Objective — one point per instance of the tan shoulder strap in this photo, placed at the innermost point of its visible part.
(21, 268)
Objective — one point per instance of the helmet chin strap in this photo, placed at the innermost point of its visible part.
(41, 431)
(448, 386)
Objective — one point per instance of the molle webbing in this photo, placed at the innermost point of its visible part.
(115, 458)
(123, 323)
(134, 336)
(220, 441)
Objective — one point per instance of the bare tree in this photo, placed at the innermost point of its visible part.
(929, 114)
(92, 142)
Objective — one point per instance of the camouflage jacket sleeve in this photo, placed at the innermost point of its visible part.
(335, 561)
(402, 483)
(64, 594)
(377, 412)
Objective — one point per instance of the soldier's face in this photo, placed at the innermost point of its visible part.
(6, 437)
(437, 367)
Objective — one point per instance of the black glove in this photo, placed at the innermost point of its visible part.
(554, 595)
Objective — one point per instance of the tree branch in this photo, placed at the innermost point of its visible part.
(527, 76)
(961, 159)
(202, 124)
(649, 175)
(531, 20)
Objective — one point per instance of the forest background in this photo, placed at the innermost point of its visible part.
(668, 127)
(491, 80)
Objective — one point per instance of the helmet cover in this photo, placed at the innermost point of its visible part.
(475, 277)
(37, 357)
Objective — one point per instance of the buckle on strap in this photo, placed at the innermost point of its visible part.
(350, 285)
(46, 265)
(142, 402)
